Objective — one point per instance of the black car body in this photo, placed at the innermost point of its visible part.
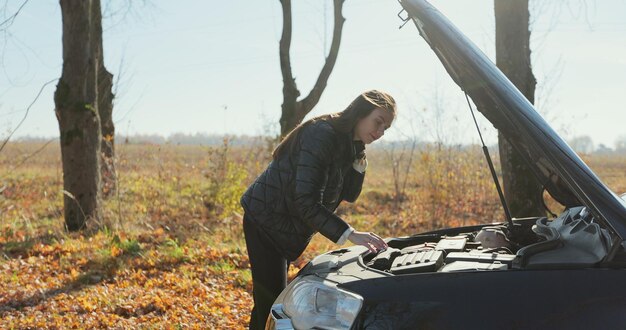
(561, 273)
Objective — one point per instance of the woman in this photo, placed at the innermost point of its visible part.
(319, 164)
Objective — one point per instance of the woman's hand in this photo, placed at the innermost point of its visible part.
(371, 241)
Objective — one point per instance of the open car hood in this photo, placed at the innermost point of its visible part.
(564, 175)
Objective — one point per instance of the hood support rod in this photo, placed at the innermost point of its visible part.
(505, 206)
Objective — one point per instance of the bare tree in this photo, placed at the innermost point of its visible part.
(105, 104)
(105, 110)
(401, 162)
(620, 144)
(521, 188)
(582, 144)
(8, 21)
(293, 111)
(77, 101)
(116, 12)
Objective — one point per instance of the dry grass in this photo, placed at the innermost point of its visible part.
(170, 251)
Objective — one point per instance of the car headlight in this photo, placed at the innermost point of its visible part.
(315, 303)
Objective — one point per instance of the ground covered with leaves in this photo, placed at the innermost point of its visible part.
(106, 281)
(170, 253)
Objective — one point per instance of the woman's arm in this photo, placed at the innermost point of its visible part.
(317, 146)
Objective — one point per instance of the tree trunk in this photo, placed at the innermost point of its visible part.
(76, 101)
(521, 188)
(294, 111)
(105, 110)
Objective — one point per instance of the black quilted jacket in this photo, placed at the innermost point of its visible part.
(296, 195)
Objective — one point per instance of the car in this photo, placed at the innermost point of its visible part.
(528, 273)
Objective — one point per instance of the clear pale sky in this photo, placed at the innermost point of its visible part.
(212, 66)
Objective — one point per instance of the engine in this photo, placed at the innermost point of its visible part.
(487, 249)
(572, 240)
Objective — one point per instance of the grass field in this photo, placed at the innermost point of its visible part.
(170, 252)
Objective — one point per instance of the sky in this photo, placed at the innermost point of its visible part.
(212, 67)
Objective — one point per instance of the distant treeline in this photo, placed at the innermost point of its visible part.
(582, 144)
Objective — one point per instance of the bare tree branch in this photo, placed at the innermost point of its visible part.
(293, 111)
(26, 113)
(29, 156)
(316, 93)
(9, 21)
(289, 83)
(116, 13)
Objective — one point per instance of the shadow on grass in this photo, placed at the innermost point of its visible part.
(23, 248)
(96, 271)
(103, 269)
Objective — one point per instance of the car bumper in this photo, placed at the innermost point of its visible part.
(278, 320)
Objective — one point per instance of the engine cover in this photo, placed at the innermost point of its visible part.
(417, 262)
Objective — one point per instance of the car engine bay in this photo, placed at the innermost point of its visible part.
(572, 240)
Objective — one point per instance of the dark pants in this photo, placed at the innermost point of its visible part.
(269, 272)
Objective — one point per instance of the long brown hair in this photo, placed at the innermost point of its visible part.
(346, 120)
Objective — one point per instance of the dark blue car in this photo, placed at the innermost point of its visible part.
(531, 273)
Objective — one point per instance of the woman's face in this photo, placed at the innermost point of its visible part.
(373, 126)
